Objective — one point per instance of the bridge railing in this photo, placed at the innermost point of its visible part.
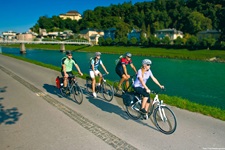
(79, 42)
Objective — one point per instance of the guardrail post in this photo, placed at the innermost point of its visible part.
(62, 48)
(22, 48)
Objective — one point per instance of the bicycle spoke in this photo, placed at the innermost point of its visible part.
(133, 111)
(107, 91)
(77, 94)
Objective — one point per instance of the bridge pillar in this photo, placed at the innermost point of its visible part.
(22, 48)
(62, 48)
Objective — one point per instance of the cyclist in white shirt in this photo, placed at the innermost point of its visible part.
(95, 62)
(140, 84)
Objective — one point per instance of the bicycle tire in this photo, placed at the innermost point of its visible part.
(61, 92)
(168, 124)
(133, 111)
(107, 91)
(77, 94)
(89, 85)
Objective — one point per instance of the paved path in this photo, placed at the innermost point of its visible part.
(34, 116)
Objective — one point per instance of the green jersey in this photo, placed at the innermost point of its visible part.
(68, 63)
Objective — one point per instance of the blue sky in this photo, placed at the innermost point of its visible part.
(20, 15)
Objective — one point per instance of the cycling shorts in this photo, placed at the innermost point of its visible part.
(143, 92)
(92, 75)
(70, 73)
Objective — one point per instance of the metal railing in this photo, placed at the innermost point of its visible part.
(78, 42)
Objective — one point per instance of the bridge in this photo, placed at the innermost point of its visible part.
(62, 43)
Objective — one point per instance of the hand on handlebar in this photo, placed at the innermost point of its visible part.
(162, 87)
(148, 91)
(81, 73)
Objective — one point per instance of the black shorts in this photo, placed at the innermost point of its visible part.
(119, 72)
(143, 92)
(69, 73)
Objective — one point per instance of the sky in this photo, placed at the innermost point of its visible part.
(20, 15)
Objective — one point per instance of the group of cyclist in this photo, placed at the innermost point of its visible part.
(143, 74)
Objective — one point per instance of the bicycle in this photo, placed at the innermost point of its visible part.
(73, 88)
(104, 88)
(118, 92)
(164, 117)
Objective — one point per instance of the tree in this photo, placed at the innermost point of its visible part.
(192, 42)
(133, 41)
(166, 40)
(198, 22)
(45, 23)
(178, 42)
(153, 41)
(208, 42)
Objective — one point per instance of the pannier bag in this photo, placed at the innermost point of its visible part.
(128, 98)
(59, 82)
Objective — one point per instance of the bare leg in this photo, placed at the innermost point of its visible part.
(93, 84)
(144, 103)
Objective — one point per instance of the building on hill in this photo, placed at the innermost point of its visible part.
(209, 34)
(73, 15)
(27, 36)
(173, 34)
(110, 33)
(135, 34)
(92, 35)
(9, 35)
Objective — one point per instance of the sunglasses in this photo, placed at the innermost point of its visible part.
(148, 64)
(69, 55)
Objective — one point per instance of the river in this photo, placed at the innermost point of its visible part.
(198, 81)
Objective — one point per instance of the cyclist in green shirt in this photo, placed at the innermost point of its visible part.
(67, 67)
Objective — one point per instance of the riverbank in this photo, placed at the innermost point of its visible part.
(170, 100)
(203, 55)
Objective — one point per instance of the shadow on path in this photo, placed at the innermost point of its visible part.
(8, 116)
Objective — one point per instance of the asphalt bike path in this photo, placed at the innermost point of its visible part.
(33, 115)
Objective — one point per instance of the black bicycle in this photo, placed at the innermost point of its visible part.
(104, 88)
(72, 89)
(119, 92)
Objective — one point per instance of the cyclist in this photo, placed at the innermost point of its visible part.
(121, 69)
(67, 67)
(95, 62)
(140, 84)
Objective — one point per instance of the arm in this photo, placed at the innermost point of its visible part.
(78, 69)
(133, 67)
(157, 82)
(64, 70)
(103, 66)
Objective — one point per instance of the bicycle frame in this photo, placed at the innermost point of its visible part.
(159, 103)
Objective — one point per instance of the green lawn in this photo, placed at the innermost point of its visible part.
(204, 55)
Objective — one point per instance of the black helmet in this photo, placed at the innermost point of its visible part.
(68, 52)
(128, 54)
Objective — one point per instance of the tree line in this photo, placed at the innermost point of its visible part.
(188, 16)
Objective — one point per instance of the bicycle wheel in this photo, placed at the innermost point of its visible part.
(133, 111)
(107, 91)
(77, 94)
(61, 91)
(165, 119)
(89, 84)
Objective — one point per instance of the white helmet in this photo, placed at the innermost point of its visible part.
(97, 54)
(146, 62)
